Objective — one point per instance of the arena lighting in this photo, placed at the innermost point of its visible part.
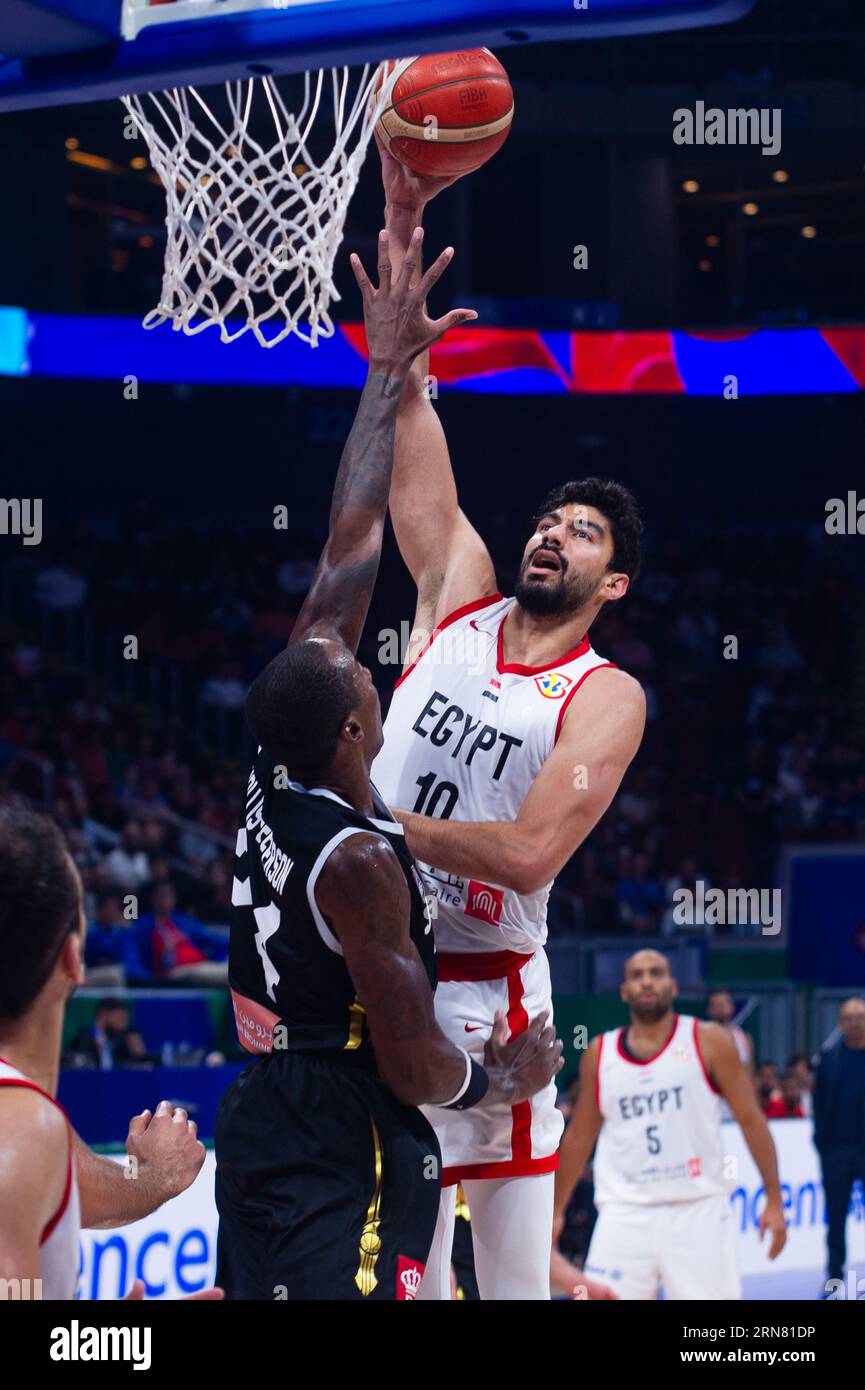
(690, 186)
(809, 233)
(71, 143)
(90, 161)
(713, 240)
(780, 176)
(139, 162)
(704, 265)
(750, 209)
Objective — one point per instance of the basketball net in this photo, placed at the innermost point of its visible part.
(253, 229)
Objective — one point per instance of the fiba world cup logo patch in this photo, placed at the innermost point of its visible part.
(553, 685)
(408, 1276)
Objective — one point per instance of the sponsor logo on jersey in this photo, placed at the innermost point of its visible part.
(553, 684)
(484, 902)
(408, 1276)
(695, 1167)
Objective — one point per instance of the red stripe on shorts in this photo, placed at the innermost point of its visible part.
(518, 1022)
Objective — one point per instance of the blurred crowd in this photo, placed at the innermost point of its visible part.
(750, 742)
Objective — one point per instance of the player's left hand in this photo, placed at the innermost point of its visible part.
(167, 1147)
(772, 1220)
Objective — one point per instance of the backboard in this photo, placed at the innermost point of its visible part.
(54, 52)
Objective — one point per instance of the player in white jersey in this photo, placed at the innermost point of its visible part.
(650, 1095)
(506, 740)
(50, 1182)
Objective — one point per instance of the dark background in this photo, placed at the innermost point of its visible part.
(590, 160)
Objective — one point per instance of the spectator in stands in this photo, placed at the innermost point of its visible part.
(686, 876)
(213, 897)
(804, 1072)
(839, 1125)
(127, 865)
(111, 950)
(109, 1041)
(788, 1105)
(177, 948)
(721, 1008)
(768, 1083)
(640, 896)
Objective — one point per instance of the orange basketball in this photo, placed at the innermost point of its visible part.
(448, 112)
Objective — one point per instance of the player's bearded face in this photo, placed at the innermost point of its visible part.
(554, 593)
(651, 1000)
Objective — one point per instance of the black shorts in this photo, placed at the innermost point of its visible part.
(326, 1186)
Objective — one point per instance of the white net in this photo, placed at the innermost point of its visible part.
(255, 206)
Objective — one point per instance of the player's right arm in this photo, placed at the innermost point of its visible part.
(446, 557)
(364, 898)
(580, 1136)
(34, 1160)
(397, 329)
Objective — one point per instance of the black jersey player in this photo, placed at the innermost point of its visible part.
(327, 1173)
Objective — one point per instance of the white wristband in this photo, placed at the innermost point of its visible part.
(464, 1087)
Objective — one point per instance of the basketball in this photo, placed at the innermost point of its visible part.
(448, 112)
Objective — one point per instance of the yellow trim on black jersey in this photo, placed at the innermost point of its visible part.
(370, 1241)
(356, 1014)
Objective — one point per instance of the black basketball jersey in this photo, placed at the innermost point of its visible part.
(290, 985)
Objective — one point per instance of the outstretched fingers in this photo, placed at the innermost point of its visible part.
(384, 265)
(435, 271)
(360, 275)
(456, 316)
(412, 261)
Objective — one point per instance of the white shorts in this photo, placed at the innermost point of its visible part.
(689, 1247)
(494, 1141)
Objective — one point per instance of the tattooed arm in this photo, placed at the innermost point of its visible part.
(397, 330)
(364, 898)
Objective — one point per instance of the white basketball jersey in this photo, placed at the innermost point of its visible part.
(661, 1136)
(465, 736)
(58, 1245)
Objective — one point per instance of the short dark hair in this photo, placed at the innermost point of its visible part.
(39, 906)
(617, 504)
(297, 705)
(718, 989)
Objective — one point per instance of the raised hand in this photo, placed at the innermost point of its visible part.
(398, 327)
(402, 186)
